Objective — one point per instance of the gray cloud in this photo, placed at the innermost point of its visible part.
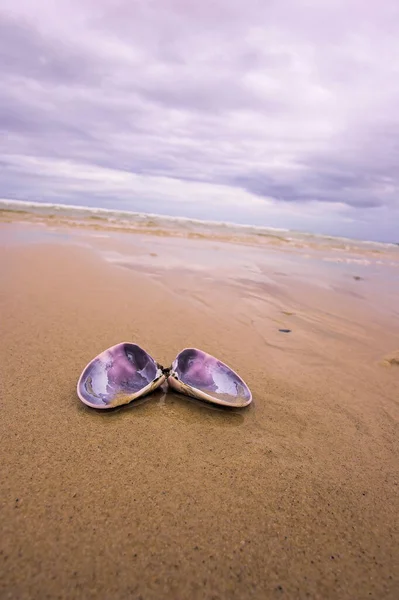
(258, 108)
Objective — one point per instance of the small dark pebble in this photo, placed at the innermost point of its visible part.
(285, 330)
(332, 557)
(357, 278)
(279, 588)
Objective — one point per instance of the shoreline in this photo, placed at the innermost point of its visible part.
(164, 226)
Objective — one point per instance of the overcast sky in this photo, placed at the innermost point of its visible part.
(281, 113)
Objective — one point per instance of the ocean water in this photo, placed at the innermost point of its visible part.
(339, 249)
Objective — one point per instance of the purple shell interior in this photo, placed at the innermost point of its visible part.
(205, 373)
(122, 370)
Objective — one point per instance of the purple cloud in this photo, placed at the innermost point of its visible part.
(274, 113)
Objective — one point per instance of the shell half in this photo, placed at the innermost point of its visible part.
(119, 375)
(203, 376)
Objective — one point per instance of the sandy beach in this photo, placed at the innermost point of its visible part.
(295, 496)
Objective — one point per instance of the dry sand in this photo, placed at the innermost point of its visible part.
(293, 497)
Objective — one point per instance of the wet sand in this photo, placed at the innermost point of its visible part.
(295, 496)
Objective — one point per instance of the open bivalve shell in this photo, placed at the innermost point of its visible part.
(203, 376)
(119, 375)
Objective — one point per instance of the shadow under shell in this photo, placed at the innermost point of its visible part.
(117, 376)
(201, 375)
